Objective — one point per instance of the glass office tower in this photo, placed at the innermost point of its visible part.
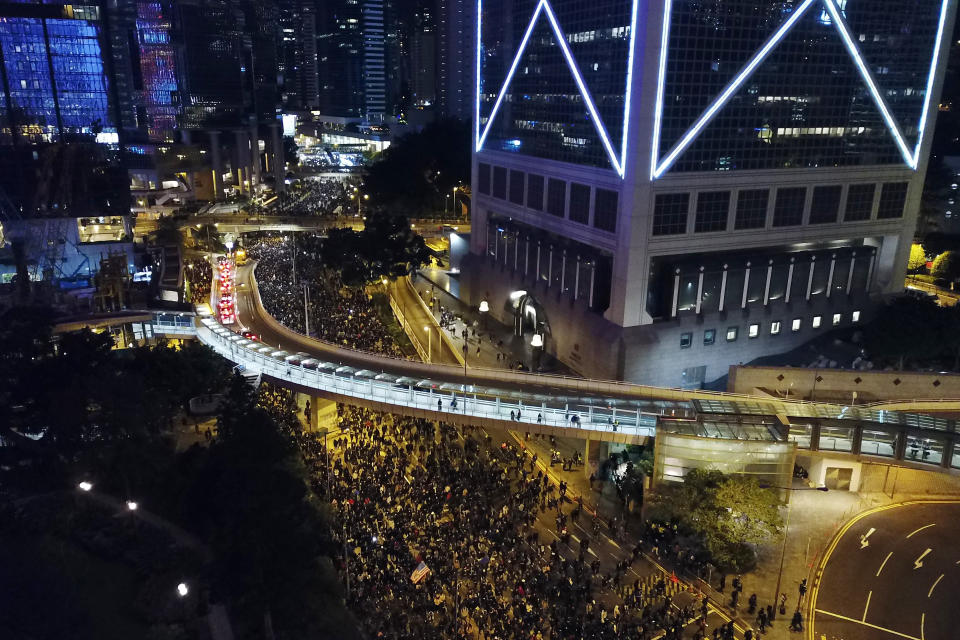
(53, 75)
(666, 187)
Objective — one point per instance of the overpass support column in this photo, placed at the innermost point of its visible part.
(322, 413)
(948, 448)
(594, 453)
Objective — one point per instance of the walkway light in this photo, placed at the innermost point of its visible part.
(536, 341)
(131, 505)
(85, 486)
(484, 307)
(182, 589)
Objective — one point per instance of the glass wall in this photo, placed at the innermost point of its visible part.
(879, 443)
(836, 438)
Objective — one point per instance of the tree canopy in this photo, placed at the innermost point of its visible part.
(918, 258)
(946, 266)
(931, 331)
(728, 516)
(415, 174)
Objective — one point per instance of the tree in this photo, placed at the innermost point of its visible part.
(905, 328)
(918, 258)
(414, 175)
(729, 516)
(946, 266)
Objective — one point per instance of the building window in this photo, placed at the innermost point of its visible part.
(556, 197)
(752, 209)
(579, 203)
(500, 183)
(709, 336)
(855, 317)
(859, 202)
(732, 333)
(535, 191)
(825, 205)
(796, 324)
(670, 213)
(605, 209)
(753, 331)
(712, 210)
(836, 319)
(893, 196)
(516, 187)
(788, 209)
(483, 175)
(816, 322)
(686, 339)
(775, 328)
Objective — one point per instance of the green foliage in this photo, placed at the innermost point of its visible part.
(728, 516)
(386, 248)
(414, 174)
(918, 257)
(946, 265)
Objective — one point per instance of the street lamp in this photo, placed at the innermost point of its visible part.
(182, 589)
(85, 486)
(786, 531)
(429, 343)
(132, 506)
(484, 308)
(537, 343)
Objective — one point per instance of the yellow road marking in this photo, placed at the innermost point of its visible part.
(936, 582)
(921, 529)
(884, 563)
(867, 608)
(923, 618)
(872, 626)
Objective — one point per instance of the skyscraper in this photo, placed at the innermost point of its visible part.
(298, 54)
(456, 37)
(672, 186)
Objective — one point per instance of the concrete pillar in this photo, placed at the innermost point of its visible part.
(254, 152)
(242, 155)
(323, 413)
(277, 162)
(594, 453)
(216, 162)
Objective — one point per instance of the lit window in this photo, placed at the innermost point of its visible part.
(732, 333)
(686, 339)
(753, 331)
(709, 336)
(816, 322)
(855, 317)
(775, 327)
(795, 325)
(836, 319)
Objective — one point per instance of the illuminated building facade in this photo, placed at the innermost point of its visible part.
(673, 186)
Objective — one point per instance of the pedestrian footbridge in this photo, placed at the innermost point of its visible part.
(583, 408)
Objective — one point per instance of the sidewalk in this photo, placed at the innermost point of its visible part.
(494, 338)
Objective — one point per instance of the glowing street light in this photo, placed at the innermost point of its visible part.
(132, 506)
(85, 486)
(182, 589)
(536, 341)
(429, 343)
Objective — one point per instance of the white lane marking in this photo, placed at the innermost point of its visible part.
(866, 608)
(921, 529)
(872, 626)
(934, 586)
(919, 561)
(884, 563)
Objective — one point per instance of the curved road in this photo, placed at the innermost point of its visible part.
(892, 572)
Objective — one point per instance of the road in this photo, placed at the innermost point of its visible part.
(945, 298)
(892, 573)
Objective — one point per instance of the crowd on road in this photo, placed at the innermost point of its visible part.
(337, 313)
(444, 534)
(199, 275)
(318, 197)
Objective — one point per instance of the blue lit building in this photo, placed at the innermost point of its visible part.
(53, 76)
(666, 187)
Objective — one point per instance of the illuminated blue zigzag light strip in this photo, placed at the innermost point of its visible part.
(544, 6)
(910, 157)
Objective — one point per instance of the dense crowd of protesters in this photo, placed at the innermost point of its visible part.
(442, 536)
(319, 197)
(199, 274)
(337, 313)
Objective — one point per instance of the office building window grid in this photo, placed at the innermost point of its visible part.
(805, 105)
(713, 208)
(859, 202)
(788, 207)
(516, 187)
(893, 197)
(826, 204)
(670, 213)
(580, 203)
(751, 209)
(556, 197)
(605, 203)
(535, 192)
(543, 113)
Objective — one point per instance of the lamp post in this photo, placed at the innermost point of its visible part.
(484, 308)
(537, 343)
(786, 530)
(429, 343)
